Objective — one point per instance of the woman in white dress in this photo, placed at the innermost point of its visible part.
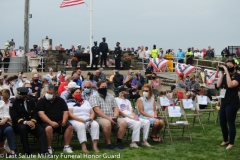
(81, 117)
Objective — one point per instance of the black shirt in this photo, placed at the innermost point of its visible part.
(54, 111)
(231, 96)
(118, 80)
(36, 88)
(149, 71)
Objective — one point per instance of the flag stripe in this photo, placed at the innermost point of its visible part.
(67, 3)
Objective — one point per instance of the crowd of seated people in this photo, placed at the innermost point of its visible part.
(63, 104)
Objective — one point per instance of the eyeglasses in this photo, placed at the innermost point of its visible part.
(145, 90)
(24, 77)
(87, 87)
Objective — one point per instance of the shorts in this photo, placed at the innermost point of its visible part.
(101, 121)
(60, 129)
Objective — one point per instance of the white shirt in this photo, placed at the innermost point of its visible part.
(147, 54)
(124, 105)
(20, 53)
(4, 110)
(20, 84)
(83, 111)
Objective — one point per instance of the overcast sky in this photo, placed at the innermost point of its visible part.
(166, 23)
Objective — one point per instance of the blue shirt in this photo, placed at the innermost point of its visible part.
(65, 94)
(180, 55)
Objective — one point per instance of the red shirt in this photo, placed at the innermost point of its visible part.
(61, 78)
(62, 87)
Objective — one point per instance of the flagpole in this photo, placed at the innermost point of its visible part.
(91, 30)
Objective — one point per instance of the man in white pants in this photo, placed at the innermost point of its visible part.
(133, 122)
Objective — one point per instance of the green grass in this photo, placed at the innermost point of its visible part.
(205, 146)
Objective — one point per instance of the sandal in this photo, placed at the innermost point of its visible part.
(159, 139)
(155, 139)
(224, 143)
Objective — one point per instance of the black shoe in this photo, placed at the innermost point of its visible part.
(119, 145)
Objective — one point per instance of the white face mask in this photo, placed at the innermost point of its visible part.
(145, 94)
(64, 75)
(48, 96)
(24, 79)
(12, 83)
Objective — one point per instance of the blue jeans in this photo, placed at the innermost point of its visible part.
(8, 132)
(228, 114)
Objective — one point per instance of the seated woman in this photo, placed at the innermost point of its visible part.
(132, 89)
(193, 87)
(180, 83)
(155, 81)
(81, 117)
(87, 91)
(140, 80)
(147, 110)
(6, 129)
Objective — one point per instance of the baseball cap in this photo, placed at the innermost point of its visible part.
(47, 78)
(63, 72)
(73, 85)
(122, 89)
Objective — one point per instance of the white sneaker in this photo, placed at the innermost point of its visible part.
(134, 145)
(146, 144)
(67, 149)
(50, 150)
(6, 146)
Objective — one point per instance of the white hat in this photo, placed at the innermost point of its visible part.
(79, 45)
(73, 85)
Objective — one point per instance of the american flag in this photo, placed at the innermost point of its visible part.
(67, 3)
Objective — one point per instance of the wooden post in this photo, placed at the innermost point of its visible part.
(26, 33)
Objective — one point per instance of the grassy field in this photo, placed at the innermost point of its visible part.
(205, 146)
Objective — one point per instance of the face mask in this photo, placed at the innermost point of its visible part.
(132, 74)
(77, 96)
(35, 80)
(230, 70)
(12, 83)
(126, 96)
(24, 79)
(102, 91)
(19, 75)
(86, 90)
(145, 94)
(48, 96)
(64, 75)
(153, 77)
(29, 91)
(139, 74)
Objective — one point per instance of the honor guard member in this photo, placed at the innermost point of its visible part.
(103, 47)
(95, 55)
(117, 55)
(25, 120)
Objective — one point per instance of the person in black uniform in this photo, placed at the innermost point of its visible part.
(118, 55)
(229, 85)
(95, 55)
(25, 120)
(103, 47)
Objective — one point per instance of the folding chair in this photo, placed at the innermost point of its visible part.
(177, 124)
(208, 103)
(190, 105)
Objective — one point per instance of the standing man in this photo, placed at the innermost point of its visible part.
(25, 120)
(210, 53)
(117, 55)
(180, 56)
(154, 52)
(103, 47)
(95, 55)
